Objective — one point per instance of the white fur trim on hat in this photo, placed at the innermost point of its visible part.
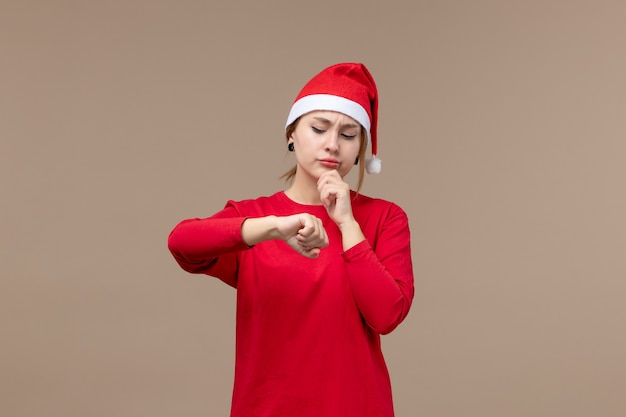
(314, 102)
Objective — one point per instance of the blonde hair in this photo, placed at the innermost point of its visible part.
(289, 175)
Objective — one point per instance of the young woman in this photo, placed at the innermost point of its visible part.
(321, 271)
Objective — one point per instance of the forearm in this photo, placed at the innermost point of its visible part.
(260, 229)
(194, 243)
(383, 294)
(351, 234)
(381, 276)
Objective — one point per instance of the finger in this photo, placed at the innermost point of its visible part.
(315, 239)
(332, 175)
(308, 251)
(318, 242)
(329, 196)
(308, 226)
(325, 181)
(312, 253)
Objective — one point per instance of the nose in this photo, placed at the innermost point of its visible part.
(332, 141)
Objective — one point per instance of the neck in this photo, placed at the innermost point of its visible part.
(304, 191)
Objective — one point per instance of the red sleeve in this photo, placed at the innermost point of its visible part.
(210, 245)
(382, 279)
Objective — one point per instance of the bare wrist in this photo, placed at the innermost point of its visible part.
(259, 229)
(351, 234)
(349, 225)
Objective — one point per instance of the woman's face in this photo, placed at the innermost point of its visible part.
(325, 140)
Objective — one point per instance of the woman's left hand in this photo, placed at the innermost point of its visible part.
(335, 196)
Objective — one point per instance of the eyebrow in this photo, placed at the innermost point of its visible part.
(324, 120)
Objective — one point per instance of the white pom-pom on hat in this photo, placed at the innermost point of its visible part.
(348, 88)
(373, 165)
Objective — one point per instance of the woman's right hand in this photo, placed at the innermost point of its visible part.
(304, 233)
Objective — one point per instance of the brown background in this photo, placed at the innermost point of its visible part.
(502, 135)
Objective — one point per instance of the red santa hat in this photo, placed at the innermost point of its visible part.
(348, 88)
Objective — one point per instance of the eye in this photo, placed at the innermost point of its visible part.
(347, 136)
(317, 130)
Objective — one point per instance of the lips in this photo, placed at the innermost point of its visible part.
(329, 162)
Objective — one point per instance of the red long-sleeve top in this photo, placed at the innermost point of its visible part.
(308, 330)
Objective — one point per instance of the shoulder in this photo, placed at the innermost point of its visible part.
(381, 219)
(258, 205)
(372, 205)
